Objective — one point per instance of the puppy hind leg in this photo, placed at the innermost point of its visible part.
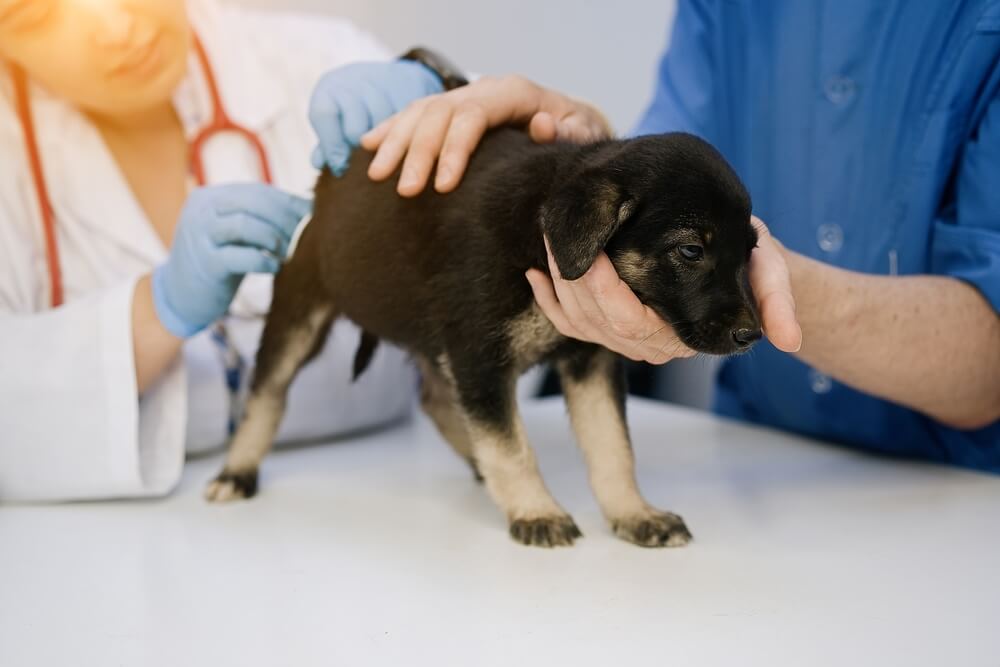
(594, 387)
(295, 332)
(507, 462)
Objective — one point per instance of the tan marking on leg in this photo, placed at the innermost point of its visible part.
(508, 463)
(603, 438)
(254, 437)
(510, 470)
(264, 409)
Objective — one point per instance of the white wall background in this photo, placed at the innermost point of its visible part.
(604, 52)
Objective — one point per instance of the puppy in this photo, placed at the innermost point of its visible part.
(443, 277)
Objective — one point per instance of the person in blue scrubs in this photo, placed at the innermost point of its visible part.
(868, 134)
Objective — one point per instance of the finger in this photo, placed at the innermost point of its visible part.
(325, 117)
(635, 329)
(354, 121)
(428, 138)
(575, 129)
(542, 128)
(570, 304)
(669, 349)
(771, 285)
(393, 148)
(468, 126)
(316, 157)
(246, 230)
(374, 137)
(545, 297)
(277, 207)
(240, 260)
(378, 107)
(780, 325)
(627, 317)
(594, 318)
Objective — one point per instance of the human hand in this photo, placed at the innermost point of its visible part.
(351, 100)
(447, 127)
(601, 308)
(224, 232)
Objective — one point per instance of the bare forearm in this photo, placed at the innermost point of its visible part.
(930, 343)
(154, 347)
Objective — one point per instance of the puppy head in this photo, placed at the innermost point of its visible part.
(675, 220)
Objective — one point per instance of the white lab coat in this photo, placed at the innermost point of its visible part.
(71, 426)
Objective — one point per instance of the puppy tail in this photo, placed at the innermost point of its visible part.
(363, 357)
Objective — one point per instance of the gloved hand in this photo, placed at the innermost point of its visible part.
(224, 233)
(350, 100)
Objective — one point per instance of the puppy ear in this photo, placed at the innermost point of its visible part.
(580, 218)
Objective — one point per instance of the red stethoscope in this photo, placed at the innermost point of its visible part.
(221, 122)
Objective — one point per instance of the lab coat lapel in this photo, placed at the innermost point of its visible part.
(91, 196)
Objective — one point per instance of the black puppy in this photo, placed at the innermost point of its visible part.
(443, 277)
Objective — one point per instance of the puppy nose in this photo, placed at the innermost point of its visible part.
(746, 337)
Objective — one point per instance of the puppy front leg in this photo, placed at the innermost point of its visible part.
(594, 386)
(507, 463)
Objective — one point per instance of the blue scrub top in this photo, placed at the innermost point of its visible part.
(868, 134)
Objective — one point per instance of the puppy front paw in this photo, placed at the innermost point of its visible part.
(550, 531)
(653, 529)
(232, 486)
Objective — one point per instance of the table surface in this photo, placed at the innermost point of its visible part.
(382, 551)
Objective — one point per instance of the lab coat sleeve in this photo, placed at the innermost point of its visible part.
(71, 426)
(966, 245)
(683, 94)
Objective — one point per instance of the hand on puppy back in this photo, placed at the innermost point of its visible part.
(446, 129)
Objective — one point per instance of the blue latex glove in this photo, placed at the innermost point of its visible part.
(350, 100)
(224, 233)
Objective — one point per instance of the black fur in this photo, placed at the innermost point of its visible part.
(364, 354)
(443, 277)
(440, 272)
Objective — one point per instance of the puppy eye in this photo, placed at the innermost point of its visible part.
(693, 253)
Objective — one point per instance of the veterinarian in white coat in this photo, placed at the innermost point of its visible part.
(97, 398)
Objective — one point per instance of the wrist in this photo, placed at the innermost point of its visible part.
(154, 348)
(164, 310)
(446, 75)
(824, 300)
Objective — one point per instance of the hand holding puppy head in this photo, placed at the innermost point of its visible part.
(600, 308)
(446, 129)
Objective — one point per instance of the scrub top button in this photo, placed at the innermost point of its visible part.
(830, 237)
(840, 89)
(819, 382)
